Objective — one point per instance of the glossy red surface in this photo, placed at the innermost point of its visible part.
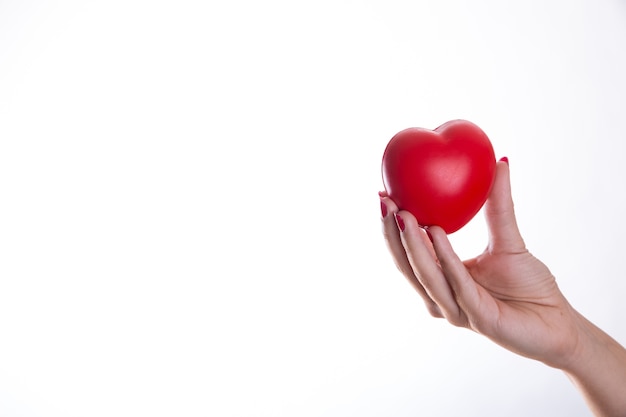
(442, 176)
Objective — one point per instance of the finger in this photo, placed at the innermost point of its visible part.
(473, 300)
(425, 267)
(389, 208)
(392, 238)
(394, 244)
(504, 235)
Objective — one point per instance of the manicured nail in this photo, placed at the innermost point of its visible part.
(505, 159)
(383, 208)
(428, 233)
(400, 222)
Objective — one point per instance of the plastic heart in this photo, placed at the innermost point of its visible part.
(442, 176)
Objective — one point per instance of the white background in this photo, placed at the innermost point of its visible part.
(189, 219)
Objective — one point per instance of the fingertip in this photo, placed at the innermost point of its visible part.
(387, 206)
(441, 243)
(430, 237)
(405, 219)
(500, 213)
(502, 166)
(502, 182)
(434, 233)
(400, 222)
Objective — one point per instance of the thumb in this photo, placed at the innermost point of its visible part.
(504, 236)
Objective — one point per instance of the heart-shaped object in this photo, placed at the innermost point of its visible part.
(442, 176)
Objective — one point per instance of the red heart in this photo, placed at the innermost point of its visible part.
(442, 176)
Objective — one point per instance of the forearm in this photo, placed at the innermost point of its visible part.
(599, 371)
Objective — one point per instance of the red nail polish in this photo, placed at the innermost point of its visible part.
(400, 222)
(505, 159)
(383, 208)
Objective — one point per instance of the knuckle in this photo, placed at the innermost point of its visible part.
(434, 311)
(457, 320)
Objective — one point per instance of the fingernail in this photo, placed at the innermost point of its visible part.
(505, 159)
(428, 233)
(400, 222)
(383, 208)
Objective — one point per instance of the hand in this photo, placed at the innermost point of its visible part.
(505, 293)
(509, 296)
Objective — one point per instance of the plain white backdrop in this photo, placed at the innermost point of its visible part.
(189, 219)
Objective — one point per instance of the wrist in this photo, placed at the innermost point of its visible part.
(597, 367)
(573, 341)
(584, 347)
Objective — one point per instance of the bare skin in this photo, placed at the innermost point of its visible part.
(509, 296)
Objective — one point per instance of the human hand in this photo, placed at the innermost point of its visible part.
(505, 293)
